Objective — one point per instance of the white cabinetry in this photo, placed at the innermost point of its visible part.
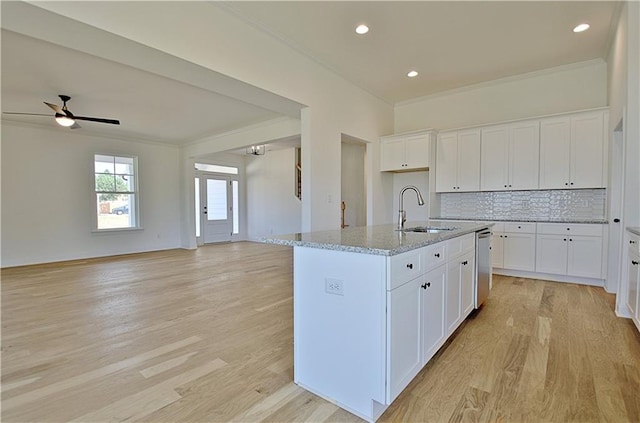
(405, 152)
(404, 345)
(569, 249)
(497, 245)
(432, 312)
(573, 150)
(510, 156)
(633, 279)
(517, 244)
(458, 161)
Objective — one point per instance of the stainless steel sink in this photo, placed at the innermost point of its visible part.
(431, 229)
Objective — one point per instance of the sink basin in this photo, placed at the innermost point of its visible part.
(431, 229)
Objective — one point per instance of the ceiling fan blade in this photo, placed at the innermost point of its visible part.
(56, 108)
(26, 114)
(101, 120)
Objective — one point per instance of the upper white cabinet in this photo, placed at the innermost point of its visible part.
(510, 156)
(458, 161)
(573, 150)
(405, 152)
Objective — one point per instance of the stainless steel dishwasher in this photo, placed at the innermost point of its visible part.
(483, 266)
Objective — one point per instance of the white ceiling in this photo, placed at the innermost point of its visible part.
(149, 106)
(451, 44)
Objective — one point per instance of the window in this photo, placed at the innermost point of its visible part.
(116, 191)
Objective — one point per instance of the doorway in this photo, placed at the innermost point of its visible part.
(216, 206)
(353, 178)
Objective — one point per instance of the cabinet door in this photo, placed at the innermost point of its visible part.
(555, 152)
(551, 254)
(497, 250)
(587, 150)
(417, 152)
(524, 155)
(404, 346)
(519, 251)
(467, 283)
(495, 159)
(585, 256)
(433, 312)
(392, 155)
(447, 162)
(452, 296)
(469, 160)
(632, 284)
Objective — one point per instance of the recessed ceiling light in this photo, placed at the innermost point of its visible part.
(362, 29)
(412, 73)
(581, 27)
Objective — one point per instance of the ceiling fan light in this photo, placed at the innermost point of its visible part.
(65, 121)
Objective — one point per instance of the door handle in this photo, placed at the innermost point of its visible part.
(426, 285)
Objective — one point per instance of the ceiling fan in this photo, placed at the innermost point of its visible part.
(64, 117)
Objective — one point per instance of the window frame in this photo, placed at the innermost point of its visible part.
(134, 207)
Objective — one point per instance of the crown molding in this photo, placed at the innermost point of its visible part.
(495, 82)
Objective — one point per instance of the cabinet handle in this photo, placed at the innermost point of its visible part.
(632, 242)
(568, 229)
(426, 285)
(565, 239)
(570, 239)
(410, 266)
(437, 255)
(464, 263)
(509, 185)
(571, 183)
(635, 263)
(519, 227)
(505, 186)
(566, 183)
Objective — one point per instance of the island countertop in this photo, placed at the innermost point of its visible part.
(377, 240)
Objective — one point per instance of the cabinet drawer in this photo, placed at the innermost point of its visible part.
(522, 227)
(434, 256)
(460, 245)
(570, 229)
(634, 244)
(404, 267)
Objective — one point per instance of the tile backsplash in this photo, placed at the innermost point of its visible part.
(578, 204)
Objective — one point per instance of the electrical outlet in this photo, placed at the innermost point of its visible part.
(333, 286)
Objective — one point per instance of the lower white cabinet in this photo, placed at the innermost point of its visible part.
(432, 300)
(515, 246)
(569, 249)
(633, 281)
(459, 291)
(404, 323)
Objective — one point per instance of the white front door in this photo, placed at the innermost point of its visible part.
(217, 210)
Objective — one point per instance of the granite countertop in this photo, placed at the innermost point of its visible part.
(559, 220)
(634, 229)
(382, 240)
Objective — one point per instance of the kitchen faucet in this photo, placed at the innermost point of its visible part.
(402, 214)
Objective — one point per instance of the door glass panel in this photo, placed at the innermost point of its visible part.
(216, 199)
(198, 211)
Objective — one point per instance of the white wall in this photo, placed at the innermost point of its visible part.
(47, 195)
(272, 207)
(353, 183)
(577, 87)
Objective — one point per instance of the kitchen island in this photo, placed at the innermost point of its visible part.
(372, 305)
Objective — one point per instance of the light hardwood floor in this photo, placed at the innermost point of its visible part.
(206, 336)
